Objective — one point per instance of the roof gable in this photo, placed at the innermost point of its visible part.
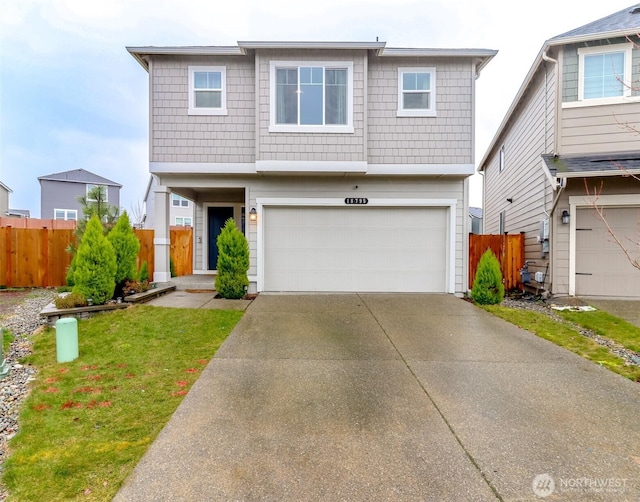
(79, 176)
(622, 21)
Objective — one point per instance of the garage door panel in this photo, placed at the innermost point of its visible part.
(602, 269)
(355, 249)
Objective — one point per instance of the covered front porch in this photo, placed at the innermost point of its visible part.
(213, 207)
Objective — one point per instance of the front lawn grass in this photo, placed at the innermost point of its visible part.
(87, 423)
(607, 325)
(567, 337)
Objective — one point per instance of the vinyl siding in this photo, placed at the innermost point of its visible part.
(599, 129)
(529, 134)
(179, 137)
(4, 201)
(446, 138)
(64, 195)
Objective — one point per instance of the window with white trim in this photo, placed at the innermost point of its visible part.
(65, 214)
(104, 189)
(178, 201)
(207, 90)
(311, 96)
(183, 221)
(501, 158)
(604, 72)
(417, 92)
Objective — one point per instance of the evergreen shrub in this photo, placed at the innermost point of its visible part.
(96, 267)
(233, 262)
(488, 288)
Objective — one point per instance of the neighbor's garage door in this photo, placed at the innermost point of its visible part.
(602, 269)
(355, 249)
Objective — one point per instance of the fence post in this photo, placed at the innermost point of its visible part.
(9, 244)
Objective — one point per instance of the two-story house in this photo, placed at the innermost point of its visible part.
(5, 210)
(570, 143)
(345, 164)
(59, 193)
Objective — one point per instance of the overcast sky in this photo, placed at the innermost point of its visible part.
(72, 97)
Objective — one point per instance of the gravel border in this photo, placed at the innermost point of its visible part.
(630, 357)
(14, 387)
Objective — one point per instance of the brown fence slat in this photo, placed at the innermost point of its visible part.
(509, 249)
(182, 250)
(38, 257)
(146, 253)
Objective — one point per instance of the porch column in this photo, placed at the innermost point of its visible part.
(161, 241)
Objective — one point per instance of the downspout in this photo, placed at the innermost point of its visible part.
(560, 186)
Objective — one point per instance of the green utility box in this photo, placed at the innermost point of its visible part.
(67, 339)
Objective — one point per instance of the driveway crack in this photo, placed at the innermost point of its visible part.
(426, 392)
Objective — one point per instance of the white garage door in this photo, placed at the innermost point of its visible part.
(355, 248)
(602, 269)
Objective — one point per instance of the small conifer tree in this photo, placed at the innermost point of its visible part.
(233, 262)
(143, 273)
(126, 246)
(487, 285)
(95, 270)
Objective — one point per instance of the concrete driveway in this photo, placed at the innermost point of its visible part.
(393, 397)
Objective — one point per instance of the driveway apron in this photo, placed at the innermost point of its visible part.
(393, 397)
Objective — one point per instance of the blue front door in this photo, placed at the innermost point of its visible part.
(217, 217)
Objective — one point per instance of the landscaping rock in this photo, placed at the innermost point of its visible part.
(14, 387)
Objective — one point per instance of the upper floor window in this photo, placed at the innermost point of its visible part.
(417, 92)
(604, 72)
(92, 194)
(311, 96)
(207, 90)
(65, 214)
(178, 201)
(501, 159)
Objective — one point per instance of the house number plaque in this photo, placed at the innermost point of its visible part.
(356, 200)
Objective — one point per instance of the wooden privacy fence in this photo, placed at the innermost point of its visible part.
(509, 249)
(181, 249)
(34, 257)
(38, 257)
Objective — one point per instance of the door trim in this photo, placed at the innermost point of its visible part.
(237, 214)
(450, 204)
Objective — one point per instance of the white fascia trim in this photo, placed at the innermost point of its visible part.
(581, 201)
(424, 169)
(451, 204)
(316, 166)
(427, 52)
(202, 167)
(310, 45)
(601, 102)
(598, 174)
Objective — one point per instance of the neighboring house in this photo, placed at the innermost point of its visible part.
(345, 164)
(180, 209)
(4, 199)
(59, 193)
(5, 210)
(566, 128)
(475, 217)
